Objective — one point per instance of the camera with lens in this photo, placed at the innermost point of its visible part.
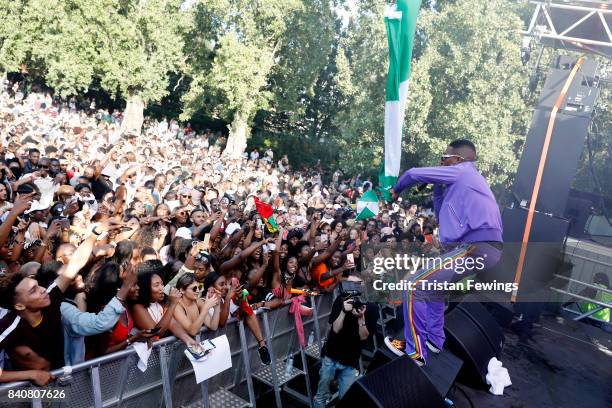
(354, 298)
(351, 291)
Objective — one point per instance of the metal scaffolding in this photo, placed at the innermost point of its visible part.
(578, 25)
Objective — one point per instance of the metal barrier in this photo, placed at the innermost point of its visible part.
(115, 381)
(587, 259)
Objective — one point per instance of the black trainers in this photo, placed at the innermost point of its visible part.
(264, 355)
(432, 347)
(398, 347)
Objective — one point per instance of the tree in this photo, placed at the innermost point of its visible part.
(466, 82)
(299, 122)
(246, 56)
(594, 173)
(131, 46)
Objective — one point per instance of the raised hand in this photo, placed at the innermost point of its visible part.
(211, 301)
(348, 306)
(131, 276)
(174, 296)
(54, 228)
(197, 248)
(110, 225)
(266, 258)
(360, 313)
(71, 208)
(23, 203)
(230, 290)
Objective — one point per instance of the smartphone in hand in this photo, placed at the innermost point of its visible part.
(350, 260)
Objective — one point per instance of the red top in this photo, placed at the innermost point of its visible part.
(120, 332)
(318, 272)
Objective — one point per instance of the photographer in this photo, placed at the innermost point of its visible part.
(353, 321)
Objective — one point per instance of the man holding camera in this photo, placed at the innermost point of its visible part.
(352, 323)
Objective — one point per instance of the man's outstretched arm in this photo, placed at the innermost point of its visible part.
(429, 175)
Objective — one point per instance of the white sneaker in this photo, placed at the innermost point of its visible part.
(396, 346)
(432, 347)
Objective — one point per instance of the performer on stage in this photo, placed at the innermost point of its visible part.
(470, 227)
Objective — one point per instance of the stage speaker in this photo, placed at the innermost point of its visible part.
(475, 339)
(485, 322)
(577, 211)
(564, 151)
(393, 381)
(567, 140)
(543, 256)
(502, 312)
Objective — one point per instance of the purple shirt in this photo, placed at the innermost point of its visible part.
(466, 209)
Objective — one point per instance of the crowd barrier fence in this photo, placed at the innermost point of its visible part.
(115, 381)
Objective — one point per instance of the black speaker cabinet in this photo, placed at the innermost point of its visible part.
(486, 324)
(393, 381)
(543, 255)
(473, 338)
(566, 145)
(577, 212)
(570, 127)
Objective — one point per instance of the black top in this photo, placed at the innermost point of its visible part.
(46, 339)
(345, 346)
(100, 186)
(260, 294)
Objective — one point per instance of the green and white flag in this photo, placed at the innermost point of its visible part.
(400, 20)
(367, 205)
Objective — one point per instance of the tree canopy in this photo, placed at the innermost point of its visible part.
(466, 82)
(129, 46)
(303, 76)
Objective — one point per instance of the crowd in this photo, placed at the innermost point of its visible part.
(109, 238)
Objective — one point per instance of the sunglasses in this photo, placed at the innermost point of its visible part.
(448, 156)
(195, 288)
(185, 196)
(43, 167)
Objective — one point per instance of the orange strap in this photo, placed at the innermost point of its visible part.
(538, 179)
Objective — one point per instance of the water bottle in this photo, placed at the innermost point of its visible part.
(289, 366)
(311, 338)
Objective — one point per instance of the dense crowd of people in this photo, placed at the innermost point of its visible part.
(109, 238)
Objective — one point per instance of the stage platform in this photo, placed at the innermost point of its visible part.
(563, 364)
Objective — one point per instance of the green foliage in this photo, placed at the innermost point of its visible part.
(594, 171)
(466, 83)
(129, 46)
(311, 83)
(231, 50)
